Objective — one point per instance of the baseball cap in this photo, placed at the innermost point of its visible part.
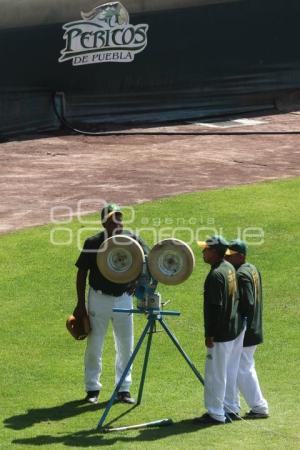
(237, 246)
(109, 210)
(217, 242)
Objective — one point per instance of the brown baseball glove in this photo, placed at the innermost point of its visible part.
(79, 327)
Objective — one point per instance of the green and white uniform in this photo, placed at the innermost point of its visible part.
(221, 319)
(224, 324)
(251, 306)
(251, 302)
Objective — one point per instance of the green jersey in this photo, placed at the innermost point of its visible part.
(221, 318)
(251, 303)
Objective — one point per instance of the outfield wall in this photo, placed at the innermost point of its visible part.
(190, 59)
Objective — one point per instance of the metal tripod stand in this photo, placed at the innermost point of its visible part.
(154, 316)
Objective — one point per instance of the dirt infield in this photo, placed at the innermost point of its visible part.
(68, 172)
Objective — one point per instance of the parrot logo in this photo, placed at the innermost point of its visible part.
(108, 15)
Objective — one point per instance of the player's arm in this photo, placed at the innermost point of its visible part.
(212, 321)
(209, 342)
(247, 300)
(213, 309)
(80, 287)
(83, 264)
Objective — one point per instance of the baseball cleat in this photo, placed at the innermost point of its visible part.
(92, 397)
(125, 397)
(233, 416)
(206, 419)
(255, 415)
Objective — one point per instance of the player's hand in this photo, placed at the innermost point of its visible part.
(131, 288)
(80, 310)
(209, 342)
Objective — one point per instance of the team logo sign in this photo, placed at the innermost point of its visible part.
(103, 35)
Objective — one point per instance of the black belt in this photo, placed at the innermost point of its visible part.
(112, 294)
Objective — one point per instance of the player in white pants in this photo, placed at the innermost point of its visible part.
(248, 383)
(251, 306)
(221, 369)
(104, 295)
(100, 311)
(223, 331)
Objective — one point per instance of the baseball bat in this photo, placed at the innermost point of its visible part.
(155, 423)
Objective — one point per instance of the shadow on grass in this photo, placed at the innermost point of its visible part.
(56, 413)
(90, 438)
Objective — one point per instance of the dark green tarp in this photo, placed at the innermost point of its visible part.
(202, 58)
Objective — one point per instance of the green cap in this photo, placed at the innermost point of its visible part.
(217, 242)
(237, 246)
(109, 210)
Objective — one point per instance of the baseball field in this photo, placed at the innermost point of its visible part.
(41, 365)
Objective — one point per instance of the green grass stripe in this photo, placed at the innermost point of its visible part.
(41, 366)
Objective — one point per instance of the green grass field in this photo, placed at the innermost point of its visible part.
(41, 366)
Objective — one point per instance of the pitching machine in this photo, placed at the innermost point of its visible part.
(171, 261)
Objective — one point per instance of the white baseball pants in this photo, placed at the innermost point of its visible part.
(248, 383)
(100, 310)
(221, 368)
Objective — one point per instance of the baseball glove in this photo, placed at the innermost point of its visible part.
(78, 327)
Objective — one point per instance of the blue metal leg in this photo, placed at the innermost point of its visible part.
(175, 341)
(110, 403)
(152, 320)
